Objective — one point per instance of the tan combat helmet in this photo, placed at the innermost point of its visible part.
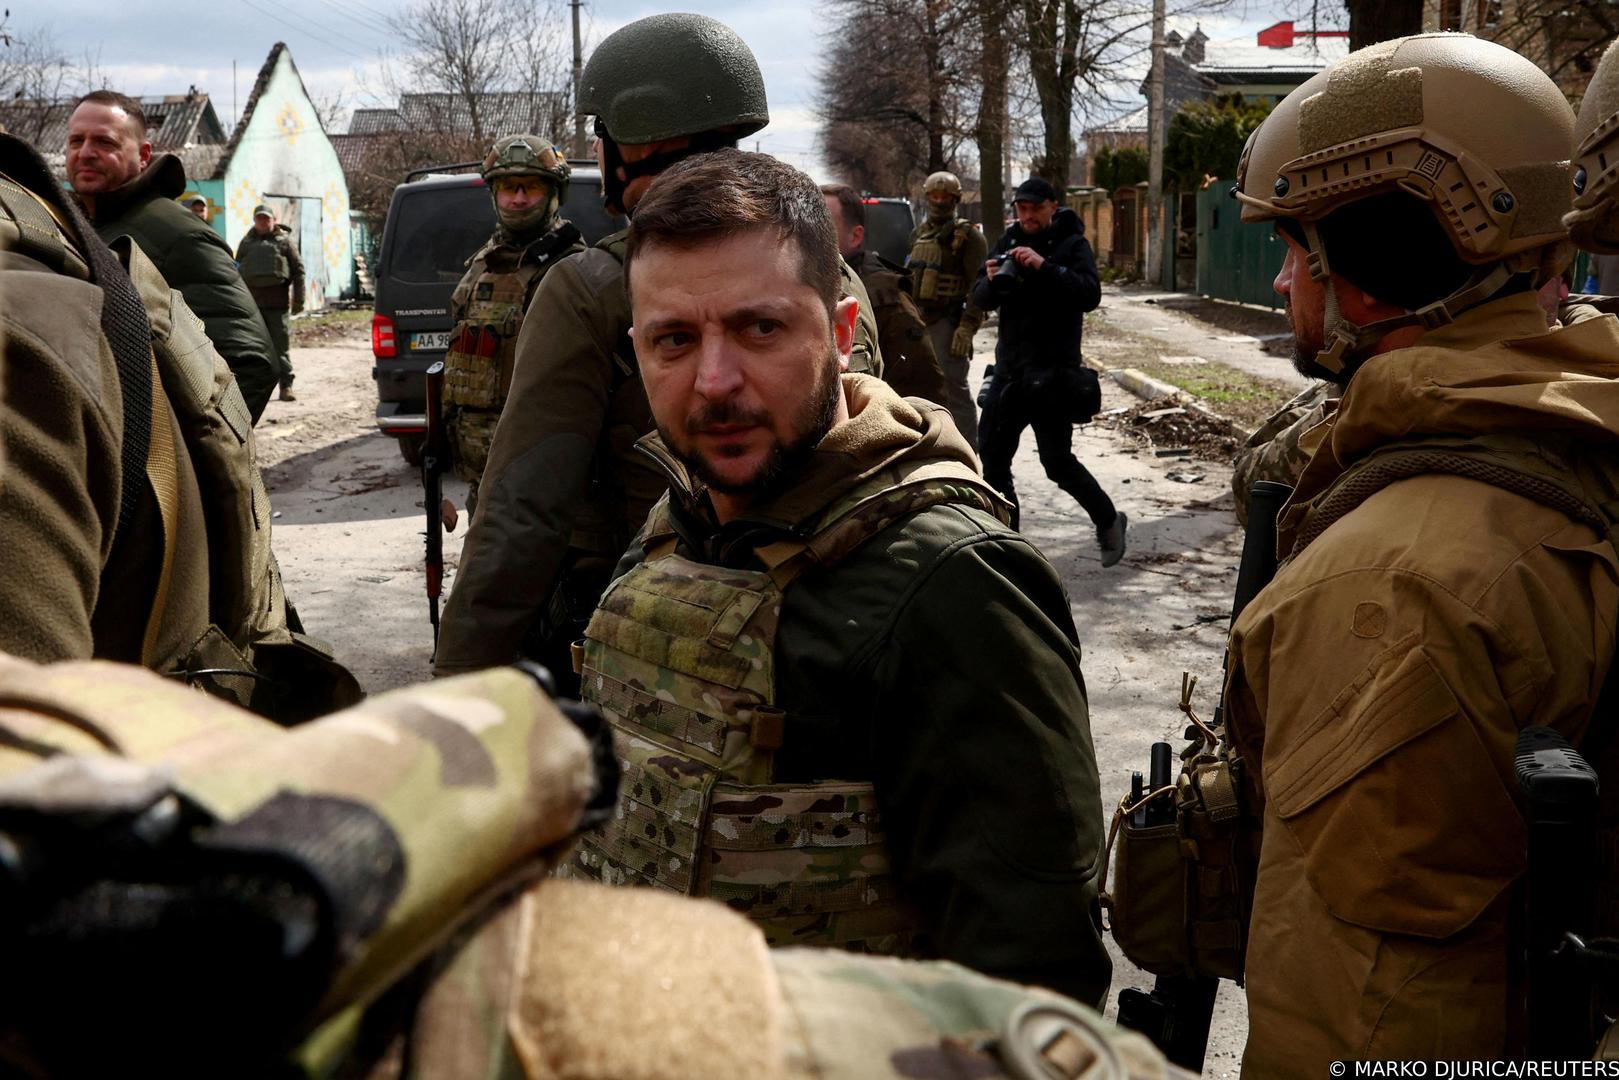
(1470, 127)
(527, 155)
(945, 182)
(1594, 222)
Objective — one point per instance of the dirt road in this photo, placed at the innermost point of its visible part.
(349, 521)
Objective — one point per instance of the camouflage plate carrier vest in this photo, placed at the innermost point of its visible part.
(1582, 485)
(264, 260)
(489, 304)
(935, 264)
(680, 657)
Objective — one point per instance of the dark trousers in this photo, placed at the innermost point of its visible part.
(1008, 409)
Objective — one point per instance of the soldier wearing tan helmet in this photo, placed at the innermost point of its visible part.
(1450, 576)
(527, 178)
(946, 252)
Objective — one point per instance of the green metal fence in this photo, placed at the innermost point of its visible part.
(1235, 261)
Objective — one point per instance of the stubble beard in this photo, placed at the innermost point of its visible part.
(784, 460)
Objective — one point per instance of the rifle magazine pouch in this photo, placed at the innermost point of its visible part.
(1149, 897)
(1221, 848)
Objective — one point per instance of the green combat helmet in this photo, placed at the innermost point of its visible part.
(527, 155)
(1594, 223)
(670, 77)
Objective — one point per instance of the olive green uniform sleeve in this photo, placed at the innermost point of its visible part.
(974, 250)
(986, 771)
(539, 464)
(1272, 452)
(909, 363)
(60, 427)
(195, 260)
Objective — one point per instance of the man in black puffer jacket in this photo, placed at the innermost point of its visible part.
(1042, 276)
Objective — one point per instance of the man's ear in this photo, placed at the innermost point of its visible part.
(858, 234)
(844, 315)
(145, 154)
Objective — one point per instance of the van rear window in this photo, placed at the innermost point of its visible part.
(437, 231)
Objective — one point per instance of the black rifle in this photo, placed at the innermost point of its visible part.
(1178, 1012)
(1561, 790)
(435, 455)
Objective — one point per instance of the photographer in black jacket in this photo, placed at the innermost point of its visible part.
(1042, 277)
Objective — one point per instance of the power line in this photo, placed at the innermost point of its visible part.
(352, 11)
(342, 48)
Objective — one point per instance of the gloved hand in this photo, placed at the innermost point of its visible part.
(961, 343)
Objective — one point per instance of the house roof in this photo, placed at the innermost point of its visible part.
(499, 113)
(260, 84)
(1225, 59)
(173, 121)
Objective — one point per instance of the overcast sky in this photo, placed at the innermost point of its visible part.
(165, 46)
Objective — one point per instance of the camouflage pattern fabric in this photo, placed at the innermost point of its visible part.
(944, 261)
(680, 656)
(1273, 452)
(460, 785)
(588, 983)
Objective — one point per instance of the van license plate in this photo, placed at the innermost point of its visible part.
(436, 342)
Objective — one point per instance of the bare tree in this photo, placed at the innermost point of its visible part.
(894, 99)
(38, 83)
(994, 69)
(473, 49)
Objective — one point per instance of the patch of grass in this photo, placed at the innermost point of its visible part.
(1241, 397)
(331, 324)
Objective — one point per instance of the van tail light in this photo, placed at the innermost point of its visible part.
(383, 345)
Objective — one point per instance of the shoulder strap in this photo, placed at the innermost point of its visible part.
(1499, 462)
(875, 505)
(616, 244)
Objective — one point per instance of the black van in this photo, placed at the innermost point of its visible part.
(435, 224)
(888, 227)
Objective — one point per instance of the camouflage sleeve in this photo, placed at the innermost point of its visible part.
(1272, 452)
(973, 253)
(550, 980)
(539, 464)
(985, 769)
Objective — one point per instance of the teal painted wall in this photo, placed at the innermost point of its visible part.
(214, 192)
(283, 158)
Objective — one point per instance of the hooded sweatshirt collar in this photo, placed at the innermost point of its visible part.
(164, 178)
(883, 430)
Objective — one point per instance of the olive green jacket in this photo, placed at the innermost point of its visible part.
(275, 297)
(978, 742)
(195, 260)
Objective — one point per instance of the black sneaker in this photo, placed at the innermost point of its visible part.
(1111, 539)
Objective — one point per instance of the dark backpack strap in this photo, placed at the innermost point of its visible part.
(123, 319)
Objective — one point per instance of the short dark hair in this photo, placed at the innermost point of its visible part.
(113, 99)
(718, 195)
(849, 201)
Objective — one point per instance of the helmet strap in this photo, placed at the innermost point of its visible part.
(1347, 343)
(613, 160)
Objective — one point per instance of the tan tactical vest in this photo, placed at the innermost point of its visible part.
(680, 656)
(483, 346)
(935, 263)
(264, 261)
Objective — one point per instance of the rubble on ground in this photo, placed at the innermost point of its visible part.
(1173, 431)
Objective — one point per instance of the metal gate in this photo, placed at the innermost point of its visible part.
(1235, 261)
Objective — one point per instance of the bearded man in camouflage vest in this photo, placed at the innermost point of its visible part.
(565, 489)
(527, 179)
(271, 268)
(806, 733)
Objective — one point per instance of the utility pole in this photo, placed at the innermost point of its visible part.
(579, 149)
(1153, 271)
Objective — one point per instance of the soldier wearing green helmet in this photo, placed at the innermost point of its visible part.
(564, 490)
(527, 177)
